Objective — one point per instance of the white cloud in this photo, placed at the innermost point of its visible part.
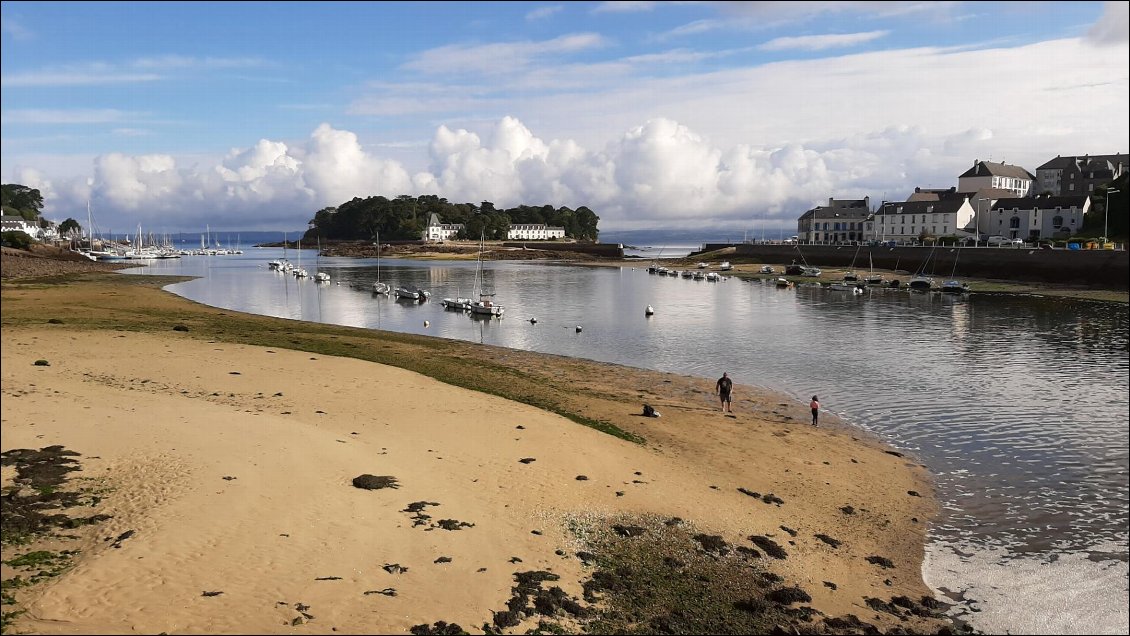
(821, 42)
(542, 13)
(73, 116)
(624, 6)
(499, 57)
(16, 29)
(74, 78)
(1113, 27)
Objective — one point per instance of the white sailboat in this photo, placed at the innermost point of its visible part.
(378, 286)
(485, 305)
(320, 276)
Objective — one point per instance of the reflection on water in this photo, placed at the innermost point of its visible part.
(1016, 404)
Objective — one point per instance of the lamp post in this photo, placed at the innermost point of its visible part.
(1106, 213)
(977, 224)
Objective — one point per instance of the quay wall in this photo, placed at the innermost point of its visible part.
(603, 250)
(1101, 269)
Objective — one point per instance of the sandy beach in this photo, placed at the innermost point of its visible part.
(225, 464)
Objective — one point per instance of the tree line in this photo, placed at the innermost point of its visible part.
(405, 217)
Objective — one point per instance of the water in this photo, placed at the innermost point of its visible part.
(1018, 405)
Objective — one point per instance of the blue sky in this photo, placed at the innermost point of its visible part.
(728, 115)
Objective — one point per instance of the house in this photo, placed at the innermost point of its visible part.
(910, 221)
(1039, 217)
(534, 232)
(436, 231)
(986, 174)
(16, 223)
(1067, 176)
(842, 220)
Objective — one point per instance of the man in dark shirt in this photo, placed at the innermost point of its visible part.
(723, 388)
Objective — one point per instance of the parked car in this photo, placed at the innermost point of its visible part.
(997, 241)
(1017, 242)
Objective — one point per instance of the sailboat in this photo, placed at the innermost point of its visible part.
(873, 278)
(484, 306)
(298, 271)
(378, 286)
(321, 277)
(922, 282)
(953, 286)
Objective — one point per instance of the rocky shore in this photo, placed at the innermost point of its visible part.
(43, 260)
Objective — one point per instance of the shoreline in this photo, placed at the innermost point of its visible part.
(695, 460)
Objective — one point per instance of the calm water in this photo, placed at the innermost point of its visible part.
(1017, 405)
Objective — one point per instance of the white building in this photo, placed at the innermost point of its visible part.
(1042, 217)
(985, 174)
(436, 231)
(16, 223)
(909, 221)
(534, 232)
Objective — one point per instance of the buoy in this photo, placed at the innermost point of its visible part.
(426, 323)
(578, 329)
(533, 321)
(649, 311)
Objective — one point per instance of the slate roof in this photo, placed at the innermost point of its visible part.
(1041, 203)
(947, 206)
(990, 169)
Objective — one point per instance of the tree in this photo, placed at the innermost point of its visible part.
(70, 226)
(21, 200)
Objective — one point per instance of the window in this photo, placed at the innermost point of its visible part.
(1014, 222)
(1057, 221)
(1071, 186)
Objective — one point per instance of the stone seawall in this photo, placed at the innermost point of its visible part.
(1101, 269)
(603, 250)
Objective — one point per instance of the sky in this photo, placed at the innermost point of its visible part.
(655, 115)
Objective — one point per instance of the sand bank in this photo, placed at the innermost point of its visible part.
(229, 467)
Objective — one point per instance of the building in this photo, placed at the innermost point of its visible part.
(16, 223)
(985, 174)
(1039, 217)
(1069, 176)
(841, 221)
(534, 232)
(911, 221)
(436, 231)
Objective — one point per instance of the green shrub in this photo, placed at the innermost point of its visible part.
(16, 239)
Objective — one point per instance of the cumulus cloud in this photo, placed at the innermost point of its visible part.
(1113, 27)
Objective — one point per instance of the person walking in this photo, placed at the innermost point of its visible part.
(723, 388)
(815, 406)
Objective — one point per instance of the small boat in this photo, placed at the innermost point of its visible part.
(725, 266)
(378, 286)
(411, 292)
(921, 283)
(811, 271)
(484, 306)
(457, 304)
(766, 269)
(713, 277)
(322, 277)
(702, 265)
(955, 287)
(783, 283)
(649, 311)
(699, 276)
(847, 286)
(686, 273)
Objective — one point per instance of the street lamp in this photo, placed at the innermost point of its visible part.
(977, 224)
(1106, 212)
